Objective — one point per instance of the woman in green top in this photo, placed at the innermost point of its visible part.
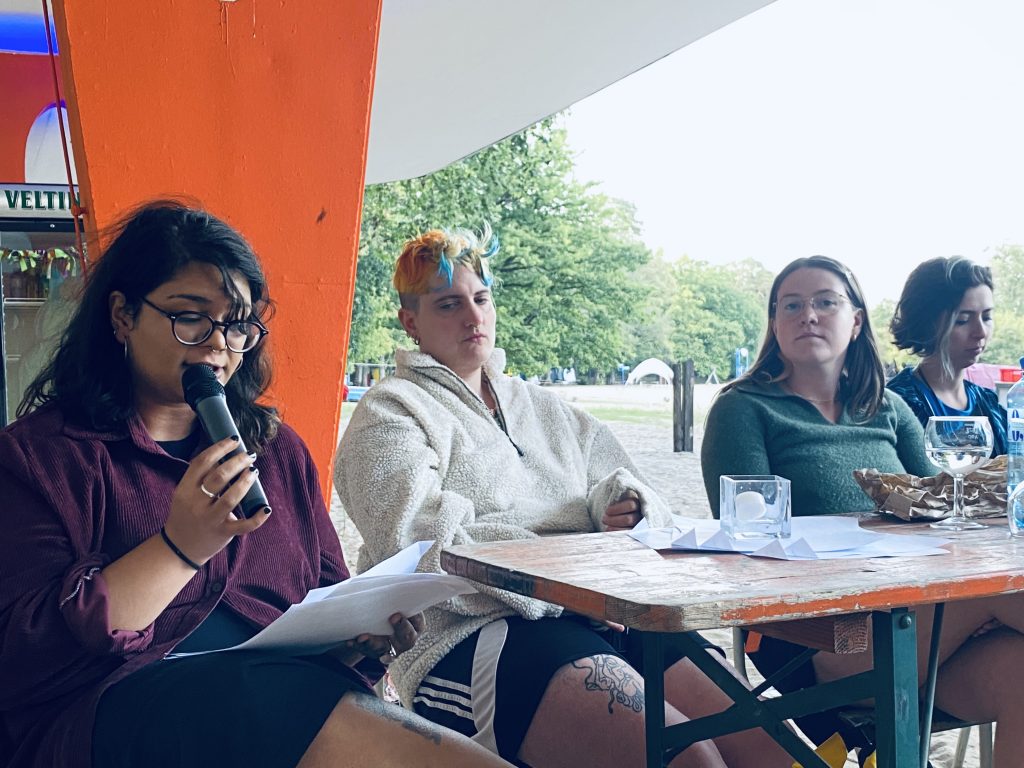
(813, 408)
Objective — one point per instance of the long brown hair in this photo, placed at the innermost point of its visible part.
(863, 381)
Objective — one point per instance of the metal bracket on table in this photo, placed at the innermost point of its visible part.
(892, 684)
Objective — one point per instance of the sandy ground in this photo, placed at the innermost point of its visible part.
(647, 435)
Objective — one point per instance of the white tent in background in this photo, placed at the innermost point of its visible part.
(651, 365)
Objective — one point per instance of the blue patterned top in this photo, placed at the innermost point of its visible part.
(923, 402)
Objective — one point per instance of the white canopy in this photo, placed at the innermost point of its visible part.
(651, 365)
(455, 76)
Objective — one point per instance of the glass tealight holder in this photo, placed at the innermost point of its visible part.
(755, 506)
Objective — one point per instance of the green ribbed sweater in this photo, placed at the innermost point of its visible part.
(756, 429)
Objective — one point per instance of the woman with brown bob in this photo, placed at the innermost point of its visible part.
(945, 316)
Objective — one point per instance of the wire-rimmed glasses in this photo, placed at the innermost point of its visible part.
(824, 303)
(958, 445)
(193, 328)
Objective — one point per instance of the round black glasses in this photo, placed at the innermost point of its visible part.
(193, 328)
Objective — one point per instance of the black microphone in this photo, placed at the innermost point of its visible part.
(206, 397)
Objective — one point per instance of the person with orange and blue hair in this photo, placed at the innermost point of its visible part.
(451, 449)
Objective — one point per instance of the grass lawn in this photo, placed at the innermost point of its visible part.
(634, 415)
(631, 405)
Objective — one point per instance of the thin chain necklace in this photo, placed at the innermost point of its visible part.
(490, 390)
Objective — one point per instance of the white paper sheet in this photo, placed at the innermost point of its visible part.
(330, 615)
(822, 537)
(404, 562)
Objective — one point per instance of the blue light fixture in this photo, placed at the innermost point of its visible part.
(24, 33)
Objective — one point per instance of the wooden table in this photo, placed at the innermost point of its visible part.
(823, 603)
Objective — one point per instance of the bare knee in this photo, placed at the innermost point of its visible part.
(603, 697)
(363, 730)
(983, 679)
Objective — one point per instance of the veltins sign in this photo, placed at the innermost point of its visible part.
(35, 201)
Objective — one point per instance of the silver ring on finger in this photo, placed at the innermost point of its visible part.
(390, 656)
(208, 492)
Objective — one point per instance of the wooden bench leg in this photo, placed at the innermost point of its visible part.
(739, 658)
(984, 746)
(961, 747)
(985, 743)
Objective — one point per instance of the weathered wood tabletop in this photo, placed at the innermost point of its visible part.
(822, 603)
(611, 576)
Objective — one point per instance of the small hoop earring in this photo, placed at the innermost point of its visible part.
(123, 343)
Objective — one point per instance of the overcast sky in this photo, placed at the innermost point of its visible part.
(879, 132)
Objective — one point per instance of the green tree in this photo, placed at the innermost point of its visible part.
(567, 259)
(751, 277)
(881, 316)
(712, 315)
(1007, 345)
(1008, 275)
(650, 328)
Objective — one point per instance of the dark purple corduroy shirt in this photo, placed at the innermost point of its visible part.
(73, 500)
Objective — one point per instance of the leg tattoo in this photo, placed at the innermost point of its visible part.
(612, 674)
(393, 712)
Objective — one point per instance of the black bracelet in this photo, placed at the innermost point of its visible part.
(174, 548)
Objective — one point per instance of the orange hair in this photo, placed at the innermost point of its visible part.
(438, 252)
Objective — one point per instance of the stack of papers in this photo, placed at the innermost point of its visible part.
(328, 616)
(821, 537)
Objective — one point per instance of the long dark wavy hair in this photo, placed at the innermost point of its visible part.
(89, 378)
(863, 381)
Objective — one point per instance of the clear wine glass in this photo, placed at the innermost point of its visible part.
(958, 445)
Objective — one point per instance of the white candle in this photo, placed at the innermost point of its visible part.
(750, 506)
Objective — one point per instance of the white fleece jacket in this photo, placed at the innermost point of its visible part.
(423, 458)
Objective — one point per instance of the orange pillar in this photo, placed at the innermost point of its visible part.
(259, 110)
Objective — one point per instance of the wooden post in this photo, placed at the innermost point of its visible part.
(682, 406)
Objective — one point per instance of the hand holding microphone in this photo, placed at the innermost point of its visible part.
(206, 397)
(220, 480)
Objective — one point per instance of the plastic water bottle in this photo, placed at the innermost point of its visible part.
(1015, 434)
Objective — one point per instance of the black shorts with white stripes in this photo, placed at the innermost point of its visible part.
(490, 685)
